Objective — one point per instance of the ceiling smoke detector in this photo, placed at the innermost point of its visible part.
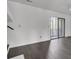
(28, 0)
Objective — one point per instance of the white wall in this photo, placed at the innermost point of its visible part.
(30, 23)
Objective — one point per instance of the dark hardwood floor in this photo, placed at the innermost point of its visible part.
(53, 49)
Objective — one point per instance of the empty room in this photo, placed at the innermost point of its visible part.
(38, 29)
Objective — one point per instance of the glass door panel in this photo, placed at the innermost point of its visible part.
(54, 27)
(61, 28)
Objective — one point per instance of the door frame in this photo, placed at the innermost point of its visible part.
(58, 26)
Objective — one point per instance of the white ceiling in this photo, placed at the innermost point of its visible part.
(62, 6)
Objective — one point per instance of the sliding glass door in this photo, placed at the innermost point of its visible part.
(61, 27)
(54, 27)
(57, 27)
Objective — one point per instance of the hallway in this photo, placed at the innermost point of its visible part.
(53, 49)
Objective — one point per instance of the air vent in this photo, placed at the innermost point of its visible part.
(28, 0)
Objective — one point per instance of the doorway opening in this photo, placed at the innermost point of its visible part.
(57, 29)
